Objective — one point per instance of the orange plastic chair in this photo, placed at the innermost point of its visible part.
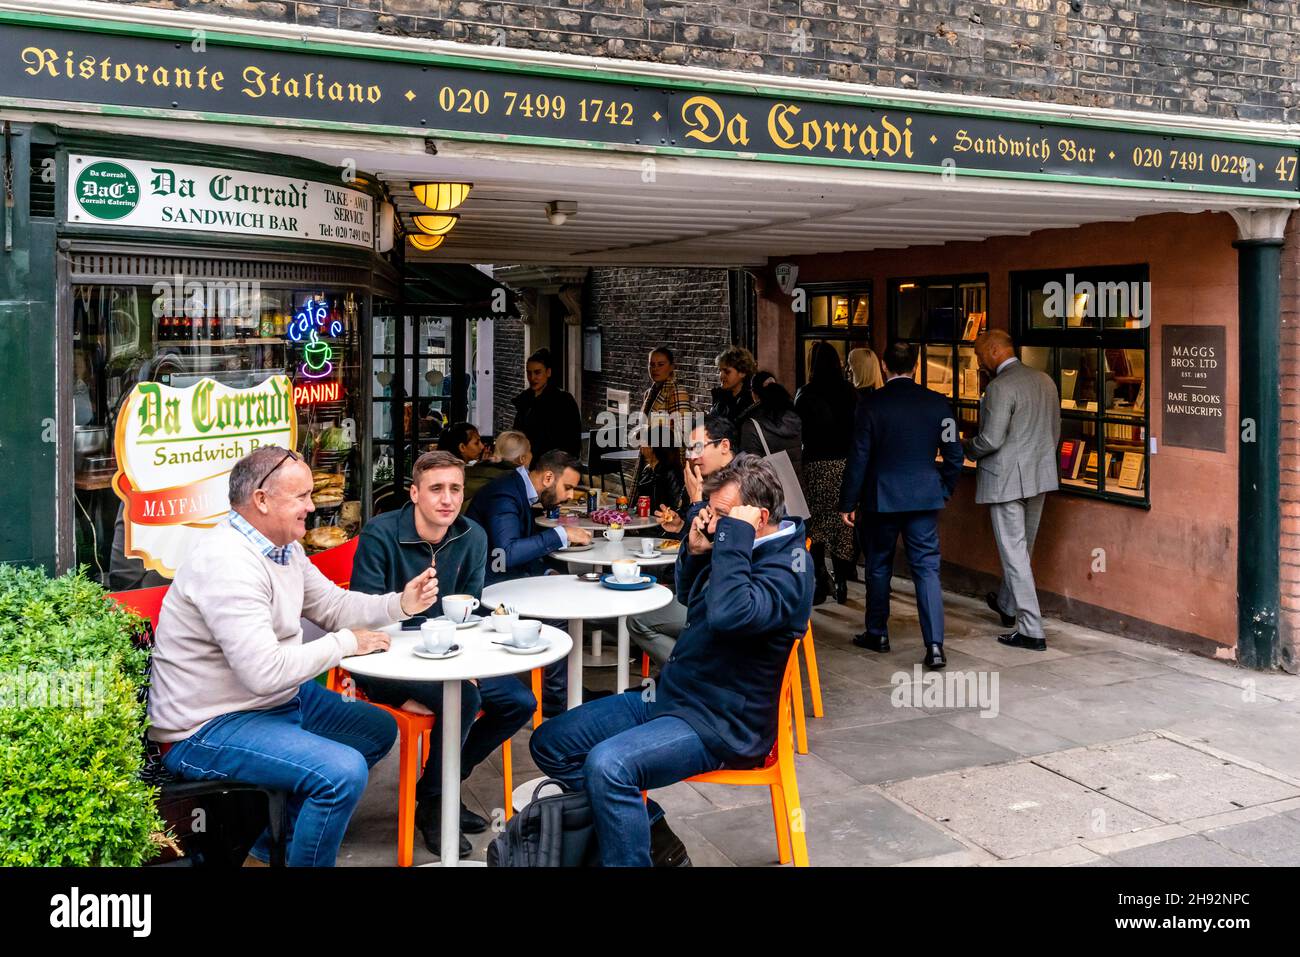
(777, 774)
(810, 662)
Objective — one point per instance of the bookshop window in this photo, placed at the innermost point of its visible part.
(941, 316)
(839, 314)
(1088, 329)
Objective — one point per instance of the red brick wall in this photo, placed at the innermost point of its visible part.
(1290, 451)
(1168, 570)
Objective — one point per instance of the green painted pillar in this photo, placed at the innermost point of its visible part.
(1259, 507)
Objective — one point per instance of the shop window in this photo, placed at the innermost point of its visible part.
(836, 313)
(941, 316)
(239, 334)
(1088, 328)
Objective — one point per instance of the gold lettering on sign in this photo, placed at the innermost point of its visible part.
(832, 135)
(708, 122)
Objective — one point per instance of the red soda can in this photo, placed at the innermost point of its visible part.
(643, 506)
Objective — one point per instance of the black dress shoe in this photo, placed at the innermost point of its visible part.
(934, 657)
(878, 643)
(1017, 640)
(471, 823)
(841, 591)
(991, 599)
(666, 848)
(428, 818)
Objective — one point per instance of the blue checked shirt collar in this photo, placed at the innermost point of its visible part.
(278, 554)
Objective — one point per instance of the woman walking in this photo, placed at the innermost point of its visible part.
(826, 406)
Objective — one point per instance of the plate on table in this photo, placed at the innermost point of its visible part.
(451, 652)
(469, 622)
(609, 581)
(534, 649)
(576, 548)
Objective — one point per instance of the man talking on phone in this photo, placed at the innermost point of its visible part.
(429, 531)
(710, 448)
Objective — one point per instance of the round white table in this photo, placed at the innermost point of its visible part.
(599, 557)
(479, 659)
(564, 596)
(635, 523)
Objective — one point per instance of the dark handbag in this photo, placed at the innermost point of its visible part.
(553, 831)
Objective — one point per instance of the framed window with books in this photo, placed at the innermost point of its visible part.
(941, 316)
(1089, 329)
(838, 313)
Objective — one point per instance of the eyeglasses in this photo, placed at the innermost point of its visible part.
(287, 456)
(695, 448)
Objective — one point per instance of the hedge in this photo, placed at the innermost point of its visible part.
(71, 724)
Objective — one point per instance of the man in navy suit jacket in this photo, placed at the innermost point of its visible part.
(504, 507)
(893, 486)
(747, 581)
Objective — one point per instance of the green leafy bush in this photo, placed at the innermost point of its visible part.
(70, 726)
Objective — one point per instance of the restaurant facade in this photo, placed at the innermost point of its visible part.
(212, 227)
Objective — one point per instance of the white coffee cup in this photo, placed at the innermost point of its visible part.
(458, 607)
(436, 637)
(525, 634)
(648, 547)
(615, 534)
(503, 623)
(626, 569)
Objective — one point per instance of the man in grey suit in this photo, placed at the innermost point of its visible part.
(1020, 426)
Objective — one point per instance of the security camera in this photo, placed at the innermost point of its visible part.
(559, 210)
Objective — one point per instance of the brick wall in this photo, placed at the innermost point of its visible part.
(1227, 58)
(507, 370)
(687, 310)
(1290, 451)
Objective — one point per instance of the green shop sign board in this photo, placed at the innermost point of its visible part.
(129, 69)
(159, 195)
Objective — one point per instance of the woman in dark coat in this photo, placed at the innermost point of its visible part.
(826, 404)
(772, 415)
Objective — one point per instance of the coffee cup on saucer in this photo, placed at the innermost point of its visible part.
(647, 546)
(459, 607)
(626, 570)
(525, 634)
(614, 534)
(436, 637)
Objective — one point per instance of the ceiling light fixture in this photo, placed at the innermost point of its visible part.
(425, 243)
(441, 197)
(435, 224)
(559, 210)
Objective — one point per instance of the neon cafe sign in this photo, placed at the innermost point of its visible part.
(312, 384)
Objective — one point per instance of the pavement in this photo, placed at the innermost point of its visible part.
(1102, 751)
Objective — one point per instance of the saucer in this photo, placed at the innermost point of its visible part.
(532, 650)
(451, 652)
(645, 581)
(469, 622)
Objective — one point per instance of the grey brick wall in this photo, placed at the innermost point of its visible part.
(507, 371)
(688, 311)
(1226, 58)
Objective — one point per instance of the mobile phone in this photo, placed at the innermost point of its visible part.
(413, 624)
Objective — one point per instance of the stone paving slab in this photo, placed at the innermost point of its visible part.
(1273, 841)
(854, 829)
(1193, 851)
(904, 749)
(1165, 779)
(1017, 809)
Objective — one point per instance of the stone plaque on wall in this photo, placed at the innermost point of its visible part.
(1194, 380)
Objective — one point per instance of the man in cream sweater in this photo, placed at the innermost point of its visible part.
(233, 694)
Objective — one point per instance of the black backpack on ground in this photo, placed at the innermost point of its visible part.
(553, 831)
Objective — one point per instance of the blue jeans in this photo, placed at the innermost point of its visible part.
(318, 746)
(506, 705)
(612, 749)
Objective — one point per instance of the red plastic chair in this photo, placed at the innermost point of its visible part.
(336, 563)
(147, 602)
